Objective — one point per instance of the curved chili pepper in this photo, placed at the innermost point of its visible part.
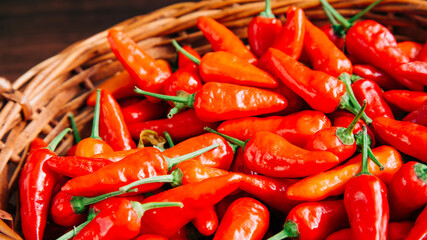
(195, 197)
(112, 126)
(142, 165)
(396, 231)
(222, 39)
(60, 206)
(298, 128)
(418, 116)
(332, 182)
(207, 221)
(406, 100)
(405, 136)
(373, 43)
(73, 166)
(415, 71)
(144, 70)
(182, 126)
(410, 48)
(411, 180)
(314, 220)
(120, 85)
(194, 171)
(223, 101)
(184, 60)
(121, 221)
(271, 155)
(379, 76)
(144, 110)
(262, 30)
(365, 199)
(36, 186)
(369, 90)
(245, 218)
(226, 67)
(291, 39)
(419, 231)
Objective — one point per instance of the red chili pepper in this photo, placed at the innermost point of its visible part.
(406, 100)
(182, 126)
(150, 237)
(36, 186)
(379, 76)
(144, 110)
(194, 171)
(410, 48)
(207, 221)
(396, 231)
(314, 220)
(222, 39)
(295, 102)
(405, 136)
(415, 71)
(411, 180)
(246, 218)
(62, 213)
(369, 90)
(373, 43)
(330, 31)
(117, 155)
(142, 165)
(121, 221)
(223, 101)
(418, 116)
(365, 199)
(120, 85)
(271, 155)
(185, 79)
(112, 127)
(183, 60)
(145, 71)
(238, 165)
(332, 182)
(73, 166)
(419, 231)
(291, 39)
(422, 55)
(37, 143)
(195, 197)
(298, 128)
(262, 30)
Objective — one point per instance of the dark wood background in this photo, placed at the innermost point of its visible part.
(34, 30)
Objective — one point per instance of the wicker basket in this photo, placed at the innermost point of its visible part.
(37, 103)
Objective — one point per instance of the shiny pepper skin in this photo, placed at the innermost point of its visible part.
(406, 100)
(261, 33)
(369, 90)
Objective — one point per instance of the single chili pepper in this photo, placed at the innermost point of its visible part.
(396, 231)
(36, 186)
(271, 155)
(150, 237)
(246, 218)
(374, 44)
(314, 220)
(323, 54)
(369, 90)
(271, 191)
(183, 125)
(406, 137)
(332, 182)
(112, 126)
(422, 55)
(410, 48)
(406, 100)
(221, 157)
(195, 197)
(194, 171)
(320, 90)
(290, 40)
(415, 71)
(120, 222)
(117, 155)
(223, 101)
(222, 39)
(185, 79)
(207, 221)
(262, 30)
(379, 76)
(144, 110)
(239, 166)
(145, 71)
(418, 116)
(226, 67)
(183, 60)
(298, 128)
(94, 144)
(411, 180)
(419, 231)
(295, 102)
(37, 143)
(120, 85)
(365, 199)
(73, 166)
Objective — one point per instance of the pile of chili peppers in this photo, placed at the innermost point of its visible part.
(310, 133)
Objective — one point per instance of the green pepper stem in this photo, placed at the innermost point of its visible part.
(77, 137)
(360, 14)
(156, 179)
(336, 14)
(72, 233)
(174, 161)
(52, 145)
(290, 230)
(140, 208)
(95, 124)
(231, 139)
(183, 51)
(359, 115)
(374, 159)
(421, 171)
(169, 139)
(330, 16)
(365, 167)
(80, 204)
(267, 11)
